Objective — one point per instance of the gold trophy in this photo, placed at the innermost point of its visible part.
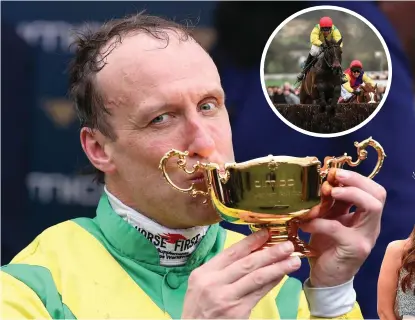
(272, 192)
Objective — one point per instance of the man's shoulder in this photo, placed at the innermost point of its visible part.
(66, 230)
(32, 268)
(57, 240)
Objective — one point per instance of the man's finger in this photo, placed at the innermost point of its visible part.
(350, 219)
(324, 206)
(363, 201)
(330, 228)
(354, 179)
(265, 276)
(238, 250)
(253, 298)
(339, 209)
(257, 260)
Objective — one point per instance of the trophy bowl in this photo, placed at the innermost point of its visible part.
(271, 192)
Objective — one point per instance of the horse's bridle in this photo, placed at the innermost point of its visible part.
(324, 56)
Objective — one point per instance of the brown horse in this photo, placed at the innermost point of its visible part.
(322, 83)
(369, 94)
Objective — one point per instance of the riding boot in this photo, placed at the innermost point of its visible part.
(306, 67)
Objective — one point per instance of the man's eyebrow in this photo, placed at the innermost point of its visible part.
(214, 91)
(149, 110)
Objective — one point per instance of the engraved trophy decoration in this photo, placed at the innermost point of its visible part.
(270, 192)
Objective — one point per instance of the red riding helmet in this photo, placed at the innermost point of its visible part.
(356, 64)
(326, 22)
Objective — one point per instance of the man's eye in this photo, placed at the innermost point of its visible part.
(160, 118)
(209, 106)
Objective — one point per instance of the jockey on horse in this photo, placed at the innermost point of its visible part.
(325, 29)
(355, 77)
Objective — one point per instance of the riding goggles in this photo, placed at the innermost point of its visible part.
(356, 70)
(326, 29)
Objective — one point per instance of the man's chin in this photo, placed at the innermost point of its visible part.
(210, 221)
(205, 211)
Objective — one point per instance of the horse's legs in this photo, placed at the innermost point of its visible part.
(322, 96)
(303, 96)
(335, 98)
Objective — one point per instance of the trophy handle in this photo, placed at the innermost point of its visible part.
(333, 162)
(181, 163)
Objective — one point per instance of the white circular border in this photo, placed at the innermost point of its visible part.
(328, 135)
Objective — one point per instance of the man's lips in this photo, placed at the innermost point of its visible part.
(197, 178)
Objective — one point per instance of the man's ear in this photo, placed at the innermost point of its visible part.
(93, 143)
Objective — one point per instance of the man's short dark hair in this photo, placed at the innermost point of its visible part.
(88, 61)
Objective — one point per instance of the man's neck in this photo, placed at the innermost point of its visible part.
(174, 245)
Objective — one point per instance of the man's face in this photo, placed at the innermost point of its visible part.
(162, 98)
(355, 72)
(326, 31)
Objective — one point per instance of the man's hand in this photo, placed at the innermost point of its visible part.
(344, 239)
(232, 283)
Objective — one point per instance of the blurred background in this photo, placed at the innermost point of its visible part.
(41, 154)
(289, 49)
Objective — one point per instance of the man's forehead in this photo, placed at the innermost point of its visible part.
(136, 47)
(141, 61)
(144, 41)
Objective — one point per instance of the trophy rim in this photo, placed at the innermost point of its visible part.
(274, 160)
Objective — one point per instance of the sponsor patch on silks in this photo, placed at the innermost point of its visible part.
(174, 247)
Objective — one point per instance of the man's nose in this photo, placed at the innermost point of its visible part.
(201, 141)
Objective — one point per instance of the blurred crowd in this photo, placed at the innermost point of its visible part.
(287, 93)
(378, 75)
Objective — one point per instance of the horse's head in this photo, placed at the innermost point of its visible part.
(370, 93)
(333, 55)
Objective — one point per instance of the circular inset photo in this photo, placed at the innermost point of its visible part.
(326, 71)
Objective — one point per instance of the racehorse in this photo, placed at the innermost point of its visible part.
(322, 83)
(369, 94)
